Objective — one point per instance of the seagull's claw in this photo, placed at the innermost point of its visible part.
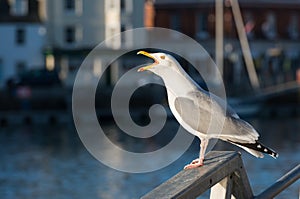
(194, 164)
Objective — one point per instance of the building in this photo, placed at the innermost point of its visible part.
(271, 21)
(272, 28)
(22, 38)
(75, 27)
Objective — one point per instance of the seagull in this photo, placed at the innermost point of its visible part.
(194, 108)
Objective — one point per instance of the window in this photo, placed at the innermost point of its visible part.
(70, 34)
(70, 5)
(73, 7)
(269, 27)
(202, 26)
(293, 27)
(20, 36)
(19, 7)
(123, 4)
(20, 67)
(175, 22)
(123, 36)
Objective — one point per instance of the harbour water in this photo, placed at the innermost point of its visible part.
(51, 162)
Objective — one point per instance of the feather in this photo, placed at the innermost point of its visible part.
(256, 149)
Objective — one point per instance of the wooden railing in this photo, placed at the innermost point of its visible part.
(223, 173)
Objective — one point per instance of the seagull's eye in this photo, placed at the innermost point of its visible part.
(162, 57)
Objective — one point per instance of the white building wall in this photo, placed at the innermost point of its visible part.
(88, 18)
(95, 21)
(112, 24)
(11, 53)
(132, 16)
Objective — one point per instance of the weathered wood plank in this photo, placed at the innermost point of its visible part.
(194, 182)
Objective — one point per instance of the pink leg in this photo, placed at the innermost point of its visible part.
(199, 161)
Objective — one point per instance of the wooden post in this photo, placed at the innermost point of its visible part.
(224, 173)
(222, 189)
(222, 168)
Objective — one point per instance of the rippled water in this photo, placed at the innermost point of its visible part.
(51, 162)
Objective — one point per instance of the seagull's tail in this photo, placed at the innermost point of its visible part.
(256, 149)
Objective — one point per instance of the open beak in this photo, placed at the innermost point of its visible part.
(150, 56)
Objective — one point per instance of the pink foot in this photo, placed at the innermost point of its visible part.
(194, 164)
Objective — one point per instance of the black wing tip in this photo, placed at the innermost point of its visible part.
(274, 155)
(267, 150)
(257, 146)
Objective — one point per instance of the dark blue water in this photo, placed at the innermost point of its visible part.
(51, 162)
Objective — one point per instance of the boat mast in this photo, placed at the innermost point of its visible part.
(219, 52)
(244, 44)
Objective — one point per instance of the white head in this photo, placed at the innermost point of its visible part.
(171, 72)
(162, 63)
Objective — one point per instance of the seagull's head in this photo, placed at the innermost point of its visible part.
(162, 62)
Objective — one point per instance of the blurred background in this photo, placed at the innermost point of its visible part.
(44, 42)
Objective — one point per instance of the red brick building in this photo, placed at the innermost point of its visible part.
(272, 28)
(192, 17)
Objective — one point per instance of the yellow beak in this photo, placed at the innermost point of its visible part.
(150, 56)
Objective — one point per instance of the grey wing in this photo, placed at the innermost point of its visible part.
(197, 112)
(221, 102)
(237, 130)
(225, 106)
